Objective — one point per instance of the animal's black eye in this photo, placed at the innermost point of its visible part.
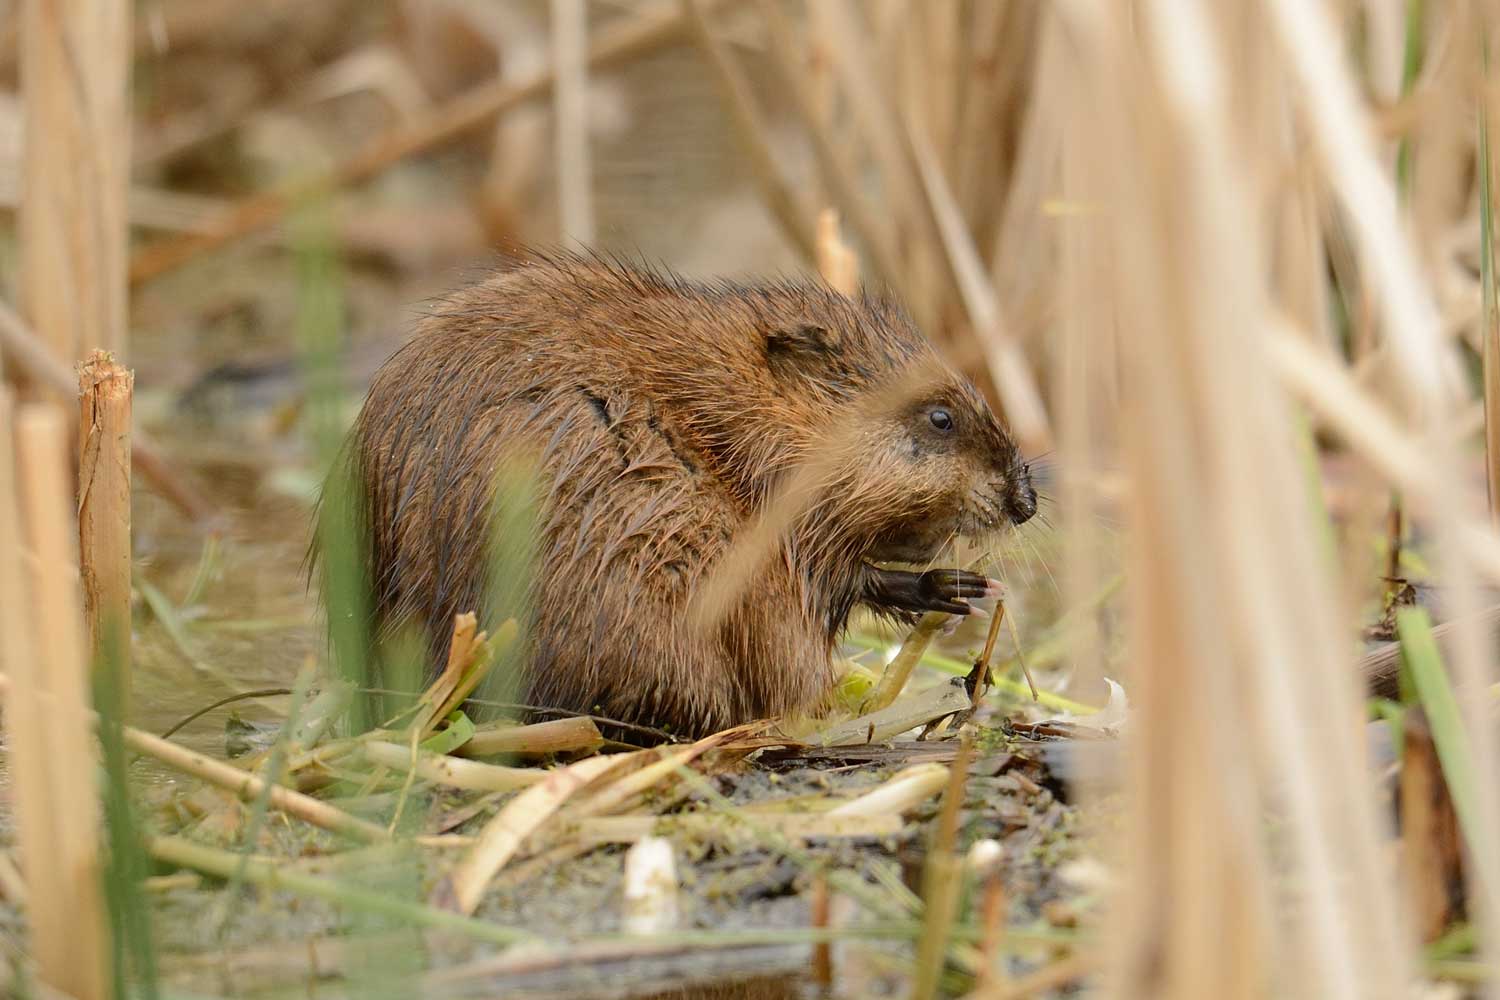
(941, 419)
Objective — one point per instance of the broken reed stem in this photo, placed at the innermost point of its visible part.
(104, 396)
(503, 835)
(452, 772)
(248, 786)
(25, 354)
(570, 119)
(48, 717)
(75, 72)
(578, 733)
(653, 28)
(836, 262)
(898, 671)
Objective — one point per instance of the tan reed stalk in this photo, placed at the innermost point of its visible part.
(75, 72)
(48, 710)
(1084, 359)
(570, 119)
(554, 736)
(503, 835)
(998, 106)
(105, 390)
(1239, 659)
(1426, 372)
(25, 722)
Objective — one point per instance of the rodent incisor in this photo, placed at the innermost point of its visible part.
(662, 415)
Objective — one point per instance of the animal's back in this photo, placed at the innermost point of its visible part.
(536, 370)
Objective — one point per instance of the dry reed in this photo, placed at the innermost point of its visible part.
(104, 396)
(75, 70)
(46, 712)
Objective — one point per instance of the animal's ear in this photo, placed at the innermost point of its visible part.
(798, 345)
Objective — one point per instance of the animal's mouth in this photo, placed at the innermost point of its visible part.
(995, 507)
(990, 509)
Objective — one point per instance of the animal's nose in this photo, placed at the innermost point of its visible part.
(1020, 506)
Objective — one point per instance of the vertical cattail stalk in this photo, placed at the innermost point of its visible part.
(104, 395)
(1239, 660)
(47, 716)
(75, 63)
(570, 62)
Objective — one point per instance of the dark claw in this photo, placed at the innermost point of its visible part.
(947, 590)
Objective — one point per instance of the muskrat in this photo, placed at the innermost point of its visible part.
(662, 415)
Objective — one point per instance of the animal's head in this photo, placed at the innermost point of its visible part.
(910, 455)
(929, 462)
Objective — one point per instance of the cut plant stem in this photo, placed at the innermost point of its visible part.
(898, 671)
(578, 733)
(105, 389)
(502, 836)
(453, 772)
(908, 713)
(982, 665)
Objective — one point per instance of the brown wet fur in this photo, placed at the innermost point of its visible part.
(662, 414)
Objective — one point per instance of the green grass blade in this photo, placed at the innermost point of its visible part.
(131, 938)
